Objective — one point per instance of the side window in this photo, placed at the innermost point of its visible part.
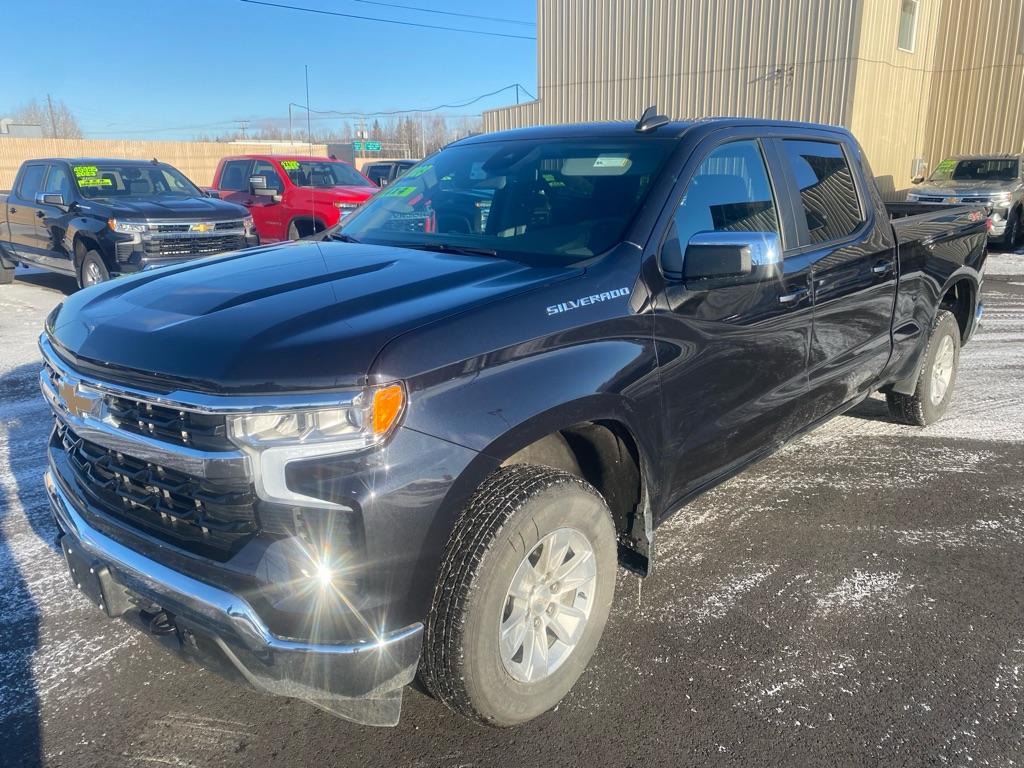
(827, 189)
(729, 193)
(235, 177)
(58, 182)
(31, 182)
(269, 172)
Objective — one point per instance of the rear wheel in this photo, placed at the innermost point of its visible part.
(522, 597)
(92, 270)
(936, 380)
(293, 232)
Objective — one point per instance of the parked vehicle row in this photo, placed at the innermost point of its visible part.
(427, 440)
(95, 218)
(996, 181)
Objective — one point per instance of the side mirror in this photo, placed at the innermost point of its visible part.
(49, 198)
(736, 256)
(917, 180)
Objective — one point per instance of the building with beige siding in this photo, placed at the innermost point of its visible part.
(916, 80)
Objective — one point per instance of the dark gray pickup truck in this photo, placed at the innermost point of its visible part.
(428, 440)
(95, 219)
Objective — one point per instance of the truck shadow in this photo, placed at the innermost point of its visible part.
(51, 281)
(24, 522)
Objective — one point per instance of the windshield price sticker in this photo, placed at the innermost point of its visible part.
(95, 182)
(418, 171)
(85, 171)
(398, 191)
(945, 165)
(290, 165)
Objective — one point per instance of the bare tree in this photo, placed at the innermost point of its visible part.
(53, 115)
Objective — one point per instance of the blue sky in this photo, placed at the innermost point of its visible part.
(179, 68)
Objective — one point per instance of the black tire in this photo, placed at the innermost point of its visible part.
(1012, 235)
(921, 409)
(507, 518)
(92, 270)
(6, 274)
(293, 232)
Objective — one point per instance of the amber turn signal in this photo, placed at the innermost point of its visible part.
(387, 407)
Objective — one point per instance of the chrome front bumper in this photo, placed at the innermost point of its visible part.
(360, 681)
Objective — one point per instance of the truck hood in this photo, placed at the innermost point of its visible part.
(296, 316)
(345, 194)
(963, 188)
(188, 208)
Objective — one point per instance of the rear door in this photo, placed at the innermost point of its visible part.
(846, 237)
(22, 213)
(732, 352)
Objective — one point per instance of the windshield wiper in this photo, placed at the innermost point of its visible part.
(467, 250)
(342, 237)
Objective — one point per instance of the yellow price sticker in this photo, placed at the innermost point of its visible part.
(99, 182)
(290, 165)
(83, 171)
(398, 191)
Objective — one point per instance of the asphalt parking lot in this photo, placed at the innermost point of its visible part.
(855, 598)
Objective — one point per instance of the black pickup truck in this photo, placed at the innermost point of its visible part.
(95, 219)
(430, 442)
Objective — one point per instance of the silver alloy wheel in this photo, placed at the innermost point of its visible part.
(92, 274)
(547, 605)
(942, 369)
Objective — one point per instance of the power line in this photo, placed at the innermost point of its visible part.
(448, 13)
(474, 100)
(386, 21)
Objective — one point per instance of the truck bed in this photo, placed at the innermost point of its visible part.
(920, 223)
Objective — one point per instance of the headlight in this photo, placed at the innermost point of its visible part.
(1000, 198)
(345, 208)
(127, 227)
(912, 198)
(248, 225)
(276, 438)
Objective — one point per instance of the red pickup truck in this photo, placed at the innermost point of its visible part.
(291, 196)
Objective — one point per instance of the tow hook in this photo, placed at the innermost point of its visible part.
(160, 623)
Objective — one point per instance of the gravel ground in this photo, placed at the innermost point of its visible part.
(856, 597)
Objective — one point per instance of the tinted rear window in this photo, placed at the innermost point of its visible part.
(827, 189)
(31, 181)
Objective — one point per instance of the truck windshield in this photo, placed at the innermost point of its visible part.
(543, 202)
(307, 173)
(985, 169)
(132, 181)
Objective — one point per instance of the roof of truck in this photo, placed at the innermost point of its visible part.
(673, 129)
(299, 158)
(91, 160)
(988, 156)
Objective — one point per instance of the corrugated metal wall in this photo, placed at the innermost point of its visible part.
(977, 102)
(832, 61)
(196, 159)
(608, 59)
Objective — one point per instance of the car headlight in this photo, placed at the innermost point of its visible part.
(273, 439)
(344, 209)
(127, 227)
(999, 198)
(248, 225)
(912, 198)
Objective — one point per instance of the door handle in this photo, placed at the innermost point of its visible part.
(794, 297)
(882, 267)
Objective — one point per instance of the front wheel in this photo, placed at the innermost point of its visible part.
(1012, 235)
(522, 597)
(92, 270)
(936, 380)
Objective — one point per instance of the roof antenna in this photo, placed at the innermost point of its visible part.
(650, 120)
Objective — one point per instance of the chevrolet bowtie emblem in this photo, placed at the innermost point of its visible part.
(202, 226)
(76, 401)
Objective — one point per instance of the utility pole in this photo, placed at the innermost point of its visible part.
(309, 120)
(53, 121)
(517, 93)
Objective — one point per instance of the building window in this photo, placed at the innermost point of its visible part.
(908, 25)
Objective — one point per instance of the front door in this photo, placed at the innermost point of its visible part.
(53, 221)
(732, 351)
(22, 213)
(849, 244)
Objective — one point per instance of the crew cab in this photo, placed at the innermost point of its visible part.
(97, 218)
(996, 181)
(430, 442)
(291, 196)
